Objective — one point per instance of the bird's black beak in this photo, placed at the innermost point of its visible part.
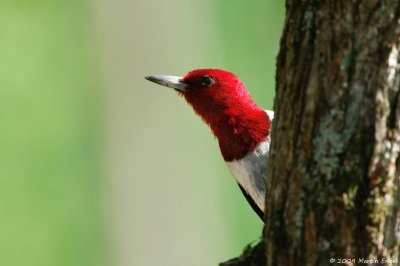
(169, 81)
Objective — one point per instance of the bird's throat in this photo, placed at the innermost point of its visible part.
(240, 134)
(237, 122)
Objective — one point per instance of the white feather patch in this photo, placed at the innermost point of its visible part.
(250, 172)
(270, 114)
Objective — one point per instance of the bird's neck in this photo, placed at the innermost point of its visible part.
(240, 131)
(234, 118)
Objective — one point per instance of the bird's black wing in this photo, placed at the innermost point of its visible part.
(252, 203)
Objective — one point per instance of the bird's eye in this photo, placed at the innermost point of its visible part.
(207, 81)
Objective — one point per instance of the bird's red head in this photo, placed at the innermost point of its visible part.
(222, 101)
(215, 93)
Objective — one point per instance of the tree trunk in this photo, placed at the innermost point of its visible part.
(333, 192)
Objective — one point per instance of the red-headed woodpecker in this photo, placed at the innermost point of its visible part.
(241, 127)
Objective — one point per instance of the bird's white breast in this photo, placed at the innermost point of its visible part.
(250, 172)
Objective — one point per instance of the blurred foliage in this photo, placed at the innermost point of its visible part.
(251, 32)
(49, 137)
(52, 128)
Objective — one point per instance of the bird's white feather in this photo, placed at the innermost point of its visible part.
(270, 114)
(250, 172)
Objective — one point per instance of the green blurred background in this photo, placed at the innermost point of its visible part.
(99, 166)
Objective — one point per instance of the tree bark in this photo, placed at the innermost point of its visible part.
(333, 183)
(333, 192)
